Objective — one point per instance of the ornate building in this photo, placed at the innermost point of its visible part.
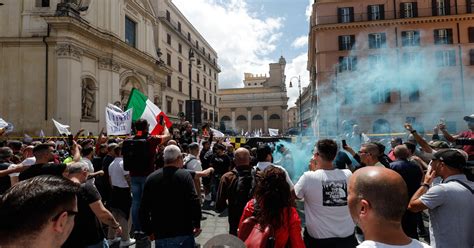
(193, 62)
(67, 62)
(260, 105)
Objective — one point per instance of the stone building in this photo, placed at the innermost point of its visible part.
(259, 105)
(189, 56)
(68, 62)
(305, 123)
(293, 117)
(380, 63)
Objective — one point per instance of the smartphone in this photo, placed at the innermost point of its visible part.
(344, 143)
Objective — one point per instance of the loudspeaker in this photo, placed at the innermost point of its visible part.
(193, 110)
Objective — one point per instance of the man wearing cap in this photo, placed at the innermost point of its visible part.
(450, 203)
(463, 136)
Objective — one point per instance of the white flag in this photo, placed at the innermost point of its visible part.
(114, 107)
(217, 133)
(27, 138)
(41, 134)
(273, 132)
(118, 123)
(62, 129)
(3, 123)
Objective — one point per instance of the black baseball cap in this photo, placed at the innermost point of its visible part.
(454, 158)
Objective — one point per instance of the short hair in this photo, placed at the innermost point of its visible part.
(219, 147)
(141, 125)
(372, 148)
(205, 142)
(171, 153)
(5, 152)
(380, 146)
(15, 144)
(193, 147)
(29, 205)
(397, 140)
(77, 167)
(327, 149)
(262, 152)
(86, 151)
(41, 148)
(401, 152)
(388, 198)
(411, 147)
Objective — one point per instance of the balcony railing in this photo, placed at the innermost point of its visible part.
(391, 15)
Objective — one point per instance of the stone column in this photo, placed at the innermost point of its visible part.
(284, 119)
(265, 120)
(249, 119)
(233, 118)
(109, 86)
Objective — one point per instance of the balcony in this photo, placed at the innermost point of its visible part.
(389, 15)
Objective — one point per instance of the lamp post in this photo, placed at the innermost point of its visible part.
(190, 67)
(299, 87)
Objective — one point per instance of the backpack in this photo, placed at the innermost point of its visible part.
(254, 235)
(185, 166)
(136, 155)
(242, 188)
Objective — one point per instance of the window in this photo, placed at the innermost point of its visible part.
(410, 38)
(205, 68)
(180, 106)
(168, 39)
(377, 60)
(347, 63)
(345, 15)
(42, 3)
(470, 32)
(215, 76)
(204, 81)
(210, 72)
(168, 15)
(446, 90)
(197, 44)
(215, 88)
(198, 77)
(180, 86)
(375, 12)
(348, 96)
(443, 36)
(198, 93)
(210, 98)
(445, 58)
(169, 103)
(380, 95)
(441, 7)
(204, 114)
(377, 40)
(411, 59)
(469, 6)
(180, 48)
(168, 59)
(189, 36)
(179, 26)
(346, 42)
(408, 10)
(168, 81)
(180, 66)
(215, 100)
(471, 57)
(205, 97)
(414, 93)
(130, 32)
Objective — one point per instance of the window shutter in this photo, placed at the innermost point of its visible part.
(433, 8)
(447, 4)
(450, 35)
(340, 43)
(384, 40)
(417, 38)
(339, 15)
(468, 6)
(439, 58)
(470, 30)
(351, 13)
(369, 13)
(402, 10)
(415, 9)
(371, 41)
(471, 57)
(354, 63)
(341, 59)
(452, 58)
(352, 41)
(404, 38)
(382, 11)
(436, 37)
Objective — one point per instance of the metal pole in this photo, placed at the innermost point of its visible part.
(301, 122)
(191, 55)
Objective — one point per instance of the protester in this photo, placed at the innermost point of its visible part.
(449, 203)
(192, 162)
(23, 225)
(170, 208)
(412, 175)
(28, 161)
(5, 154)
(206, 181)
(328, 222)
(463, 137)
(235, 189)
(273, 206)
(286, 160)
(369, 154)
(265, 159)
(395, 141)
(377, 201)
(44, 155)
(221, 164)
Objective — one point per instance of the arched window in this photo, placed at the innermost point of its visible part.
(257, 117)
(225, 118)
(381, 126)
(274, 117)
(241, 118)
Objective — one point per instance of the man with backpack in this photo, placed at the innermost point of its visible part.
(235, 189)
(139, 159)
(191, 162)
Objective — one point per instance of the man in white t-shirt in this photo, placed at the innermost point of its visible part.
(29, 161)
(378, 198)
(328, 222)
(192, 162)
(265, 159)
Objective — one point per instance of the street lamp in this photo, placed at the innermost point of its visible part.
(190, 66)
(299, 87)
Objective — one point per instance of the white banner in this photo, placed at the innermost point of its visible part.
(118, 123)
(217, 133)
(273, 132)
(62, 129)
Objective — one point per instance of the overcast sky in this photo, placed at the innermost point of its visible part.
(250, 34)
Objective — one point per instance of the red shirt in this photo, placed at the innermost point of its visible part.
(289, 233)
(469, 149)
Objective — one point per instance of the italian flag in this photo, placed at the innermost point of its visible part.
(145, 109)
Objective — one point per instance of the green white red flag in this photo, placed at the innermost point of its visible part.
(143, 108)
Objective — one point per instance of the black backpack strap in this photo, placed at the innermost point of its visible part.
(185, 166)
(463, 184)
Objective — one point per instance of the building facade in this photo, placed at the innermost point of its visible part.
(381, 63)
(259, 105)
(68, 62)
(193, 62)
(293, 117)
(303, 104)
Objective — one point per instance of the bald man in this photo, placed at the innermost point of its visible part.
(378, 198)
(235, 188)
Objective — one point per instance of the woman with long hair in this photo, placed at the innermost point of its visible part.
(275, 208)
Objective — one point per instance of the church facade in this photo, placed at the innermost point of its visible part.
(261, 104)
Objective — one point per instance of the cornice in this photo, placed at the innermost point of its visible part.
(67, 50)
(392, 22)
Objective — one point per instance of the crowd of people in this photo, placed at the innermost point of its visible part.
(105, 191)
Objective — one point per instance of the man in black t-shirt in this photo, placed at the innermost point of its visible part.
(220, 161)
(44, 155)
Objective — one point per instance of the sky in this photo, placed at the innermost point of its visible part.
(249, 34)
